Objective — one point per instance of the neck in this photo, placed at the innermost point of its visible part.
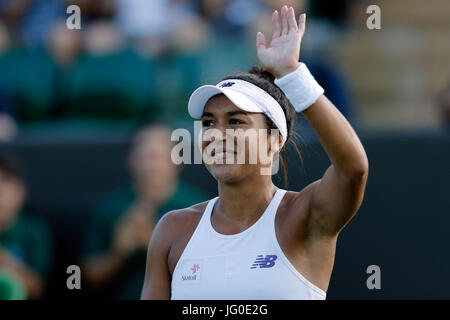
(246, 199)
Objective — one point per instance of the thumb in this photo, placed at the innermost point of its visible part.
(260, 41)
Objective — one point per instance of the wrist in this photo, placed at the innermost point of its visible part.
(286, 70)
(300, 87)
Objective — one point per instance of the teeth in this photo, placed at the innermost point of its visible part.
(222, 154)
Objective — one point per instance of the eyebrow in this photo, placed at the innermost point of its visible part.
(230, 113)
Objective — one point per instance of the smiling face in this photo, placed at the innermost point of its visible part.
(241, 134)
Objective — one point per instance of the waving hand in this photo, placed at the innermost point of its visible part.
(282, 56)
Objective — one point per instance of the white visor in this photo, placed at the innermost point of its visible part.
(244, 95)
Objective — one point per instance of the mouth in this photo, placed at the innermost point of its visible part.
(222, 155)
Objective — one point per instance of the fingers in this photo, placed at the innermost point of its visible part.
(260, 41)
(291, 20)
(276, 24)
(302, 23)
(284, 22)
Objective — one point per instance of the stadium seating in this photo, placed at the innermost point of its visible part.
(397, 72)
(115, 86)
(27, 76)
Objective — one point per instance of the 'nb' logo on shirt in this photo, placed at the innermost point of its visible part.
(264, 262)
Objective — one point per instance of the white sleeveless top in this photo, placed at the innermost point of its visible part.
(249, 265)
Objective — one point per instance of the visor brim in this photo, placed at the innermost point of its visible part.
(200, 97)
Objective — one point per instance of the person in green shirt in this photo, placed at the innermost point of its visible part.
(117, 238)
(25, 240)
(11, 287)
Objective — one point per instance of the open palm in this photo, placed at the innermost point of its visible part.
(282, 56)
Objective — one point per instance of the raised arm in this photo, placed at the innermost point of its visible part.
(335, 198)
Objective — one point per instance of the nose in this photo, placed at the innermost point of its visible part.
(221, 126)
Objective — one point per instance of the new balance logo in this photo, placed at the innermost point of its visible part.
(226, 84)
(264, 262)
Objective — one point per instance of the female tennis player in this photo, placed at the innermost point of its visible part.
(257, 241)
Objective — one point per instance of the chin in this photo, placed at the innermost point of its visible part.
(226, 172)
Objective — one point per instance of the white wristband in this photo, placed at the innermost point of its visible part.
(300, 87)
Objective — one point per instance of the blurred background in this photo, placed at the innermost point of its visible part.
(86, 117)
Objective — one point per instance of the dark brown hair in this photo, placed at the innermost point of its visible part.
(266, 81)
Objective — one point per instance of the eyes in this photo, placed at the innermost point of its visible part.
(231, 121)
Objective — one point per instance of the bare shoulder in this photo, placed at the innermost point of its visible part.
(181, 217)
(172, 226)
(299, 202)
(175, 225)
(176, 221)
(175, 229)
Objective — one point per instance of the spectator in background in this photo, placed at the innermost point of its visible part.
(120, 230)
(5, 40)
(42, 24)
(146, 25)
(229, 18)
(64, 45)
(25, 244)
(101, 39)
(11, 287)
(8, 126)
(444, 107)
(31, 20)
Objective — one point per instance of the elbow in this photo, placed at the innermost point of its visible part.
(360, 169)
(356, 168)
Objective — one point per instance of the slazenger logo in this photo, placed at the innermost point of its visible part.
(193, 272)
(186, 278)
(264, 262)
